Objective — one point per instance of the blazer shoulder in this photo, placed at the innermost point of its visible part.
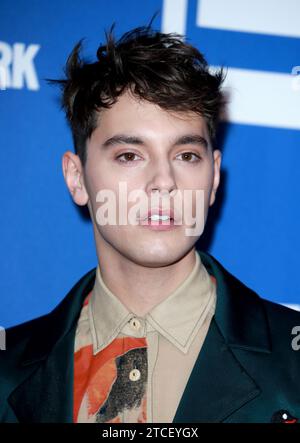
(12, 371)
(38, 336)
(280, 315)
(284, 324)
(16, 340)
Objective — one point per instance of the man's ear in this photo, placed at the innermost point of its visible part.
(73, 174)
(216, 180)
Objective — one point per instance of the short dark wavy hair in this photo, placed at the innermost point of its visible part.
(157, 67)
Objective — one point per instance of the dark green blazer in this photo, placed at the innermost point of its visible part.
(246, 371)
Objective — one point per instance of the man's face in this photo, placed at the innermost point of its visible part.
(152, 150)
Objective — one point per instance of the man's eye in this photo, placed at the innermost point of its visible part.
(190, 157)
(127, 157)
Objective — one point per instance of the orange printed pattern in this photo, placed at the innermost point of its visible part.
(103, 386)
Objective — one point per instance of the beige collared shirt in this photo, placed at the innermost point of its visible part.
(174, 331)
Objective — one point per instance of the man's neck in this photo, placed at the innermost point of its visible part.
(138, 287)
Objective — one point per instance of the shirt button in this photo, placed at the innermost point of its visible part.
(135, 324)
(134, 375)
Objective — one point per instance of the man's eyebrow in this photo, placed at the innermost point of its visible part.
(123, 139)
(188, 139)
(192, 139)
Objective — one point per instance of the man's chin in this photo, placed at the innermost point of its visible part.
(157, 259)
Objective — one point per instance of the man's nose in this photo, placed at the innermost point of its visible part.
(162, 178)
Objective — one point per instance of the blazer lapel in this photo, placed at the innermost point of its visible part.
(46, 395)
(219, 385)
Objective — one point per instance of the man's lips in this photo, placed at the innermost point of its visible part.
(146, 220)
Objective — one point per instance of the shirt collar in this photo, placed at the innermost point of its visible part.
(178, 317)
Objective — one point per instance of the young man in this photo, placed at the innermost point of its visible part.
(158, 332)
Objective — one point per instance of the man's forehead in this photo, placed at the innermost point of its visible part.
(131, 113)
(128, 100)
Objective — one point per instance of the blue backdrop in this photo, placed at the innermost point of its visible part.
(46, 245)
